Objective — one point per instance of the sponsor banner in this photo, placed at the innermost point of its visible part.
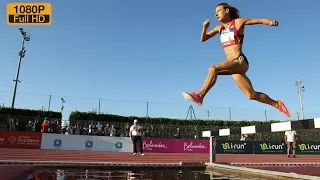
(82, 142)
(21, 140)
(234, 147)
(265, 147)
(175, 146)
(269, 147)
(308, 148)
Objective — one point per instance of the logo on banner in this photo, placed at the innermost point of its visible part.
(12, 139)
(88, 144)
(118, 145)
(191, 146)
(271, 147)
(233, 146)
(20, 140)
(23, 140)
(309, 147)
(1, 140)
(150, 145)
(57, 143)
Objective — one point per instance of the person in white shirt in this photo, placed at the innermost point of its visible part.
(135, 136)
(113, 131)
(291, 140)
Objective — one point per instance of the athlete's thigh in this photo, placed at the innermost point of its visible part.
(229, 67)
(244, 83)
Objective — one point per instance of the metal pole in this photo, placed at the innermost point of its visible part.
(229, 113)
(301, 106)
(17, 76)
(49, 102)
(25, 37)
(300, 89)
(213, 144)
(147, 109)
(99, 105)
(265, 115)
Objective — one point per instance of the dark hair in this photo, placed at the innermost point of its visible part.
(234, 12)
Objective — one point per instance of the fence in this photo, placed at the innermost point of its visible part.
(195, 132)
(163, 130)
(140, 109)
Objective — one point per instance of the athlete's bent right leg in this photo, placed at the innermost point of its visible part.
(244, 83)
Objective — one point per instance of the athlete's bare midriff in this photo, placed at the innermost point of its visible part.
(233, 51)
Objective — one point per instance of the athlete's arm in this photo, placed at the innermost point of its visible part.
(264, 21)
(207, 35)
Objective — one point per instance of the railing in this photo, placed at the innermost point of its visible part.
(161, 130)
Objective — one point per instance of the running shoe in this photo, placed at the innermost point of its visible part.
(282, 108)
(194, 97)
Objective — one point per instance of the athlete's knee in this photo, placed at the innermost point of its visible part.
(252, 95)
(212, 70)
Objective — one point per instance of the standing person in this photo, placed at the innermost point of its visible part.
(231, 32)
(44, 127)
(291, 141)
(135, 136)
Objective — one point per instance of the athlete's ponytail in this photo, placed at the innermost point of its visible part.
(234, 12)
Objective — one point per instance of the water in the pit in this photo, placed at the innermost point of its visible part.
(91, 174)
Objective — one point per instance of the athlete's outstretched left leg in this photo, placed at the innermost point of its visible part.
(245, 85)
(223, 68)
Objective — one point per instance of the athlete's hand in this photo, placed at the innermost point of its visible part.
(206, 23)
(273, 23)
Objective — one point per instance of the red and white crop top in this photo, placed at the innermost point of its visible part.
(230, 36)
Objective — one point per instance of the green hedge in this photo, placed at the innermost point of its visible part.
(29, 112)
(88, 116)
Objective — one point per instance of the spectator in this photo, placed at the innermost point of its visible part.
(56, 127)
(177, 134)
(135, 136)
(99, 129)
(18, 128)
(113, 130)
(243, 137)
(70, 130)
(85, 130)
(44, 127)
(127, 130)
(291, 139)
(29, 126)
(107, 130)
(91, 128)
(77, 130)
(12, 125)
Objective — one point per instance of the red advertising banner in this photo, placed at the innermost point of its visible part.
(176, 146)
(22, 140)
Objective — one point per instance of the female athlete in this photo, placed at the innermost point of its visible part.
(231, 32)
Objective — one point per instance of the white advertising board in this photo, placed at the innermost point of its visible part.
(82, 142)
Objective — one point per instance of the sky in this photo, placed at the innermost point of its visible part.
(129, 53)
